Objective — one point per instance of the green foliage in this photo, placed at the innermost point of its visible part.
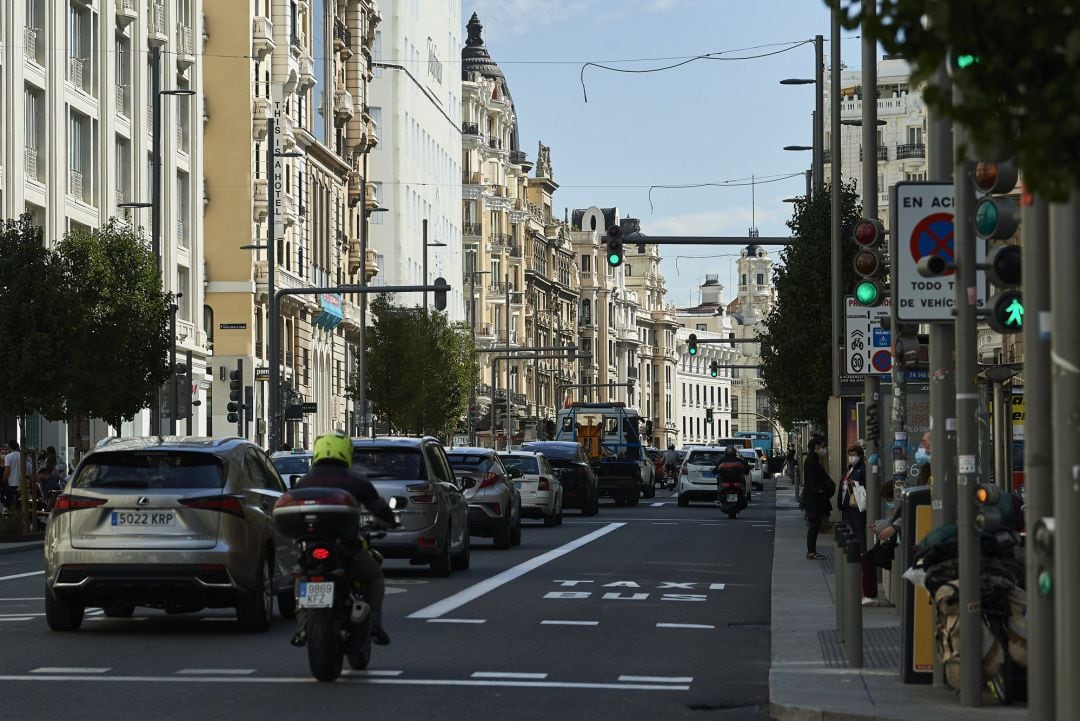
(419, 369)
(1019, 96)
(118, 321)
(34, 335)
(796, 355)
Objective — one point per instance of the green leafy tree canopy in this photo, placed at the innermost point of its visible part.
(1018, 91)
(796, 350)
(419, 369)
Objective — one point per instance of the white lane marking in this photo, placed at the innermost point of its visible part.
(20, 618)
(456, 620)
(19, 615)
(215, 619)
(358, 680)
(657, 679)
(372, 672)
(684, 625)
(26, 598)
(657, 505)
(510, 675)
(569, 623)
(69, 669)
(476, 591)
(215, 671)
(664, 523)
(22, 575)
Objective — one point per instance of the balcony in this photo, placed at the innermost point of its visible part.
(342, 39)
(125, 12)
(30, 161)
(882, 153)
(343, 106)
(517, 399)
(77, 73)
(474, 230)
(261, 200)
(497, 289)
(30, 45)
(75, 183)
(495, 143)
(910, 150)
(470, 129)
(517, 298)
(514, 250)
(826, 157)
(307, 73)
(181, 235)
(260, 116)
(291, 210)
(185, 51)
(262, 37)
(122, 106)
(485, 330)
(156, 32)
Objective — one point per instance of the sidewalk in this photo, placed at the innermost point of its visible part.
(808, 678)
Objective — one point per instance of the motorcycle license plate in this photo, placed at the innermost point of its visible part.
(733, 498)
(315, 595)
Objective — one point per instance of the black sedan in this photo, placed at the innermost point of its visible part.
(578, 479)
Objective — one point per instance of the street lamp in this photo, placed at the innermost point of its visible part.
(819, 109)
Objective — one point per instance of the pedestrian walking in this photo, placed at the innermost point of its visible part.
(789, 462)
(14, 472)
(818, 489)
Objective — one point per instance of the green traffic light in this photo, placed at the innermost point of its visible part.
(1014, 317)
(613, 259)
(1045, 583)
(986, 218)
(867, 292)
(693, 350)
(966, 60)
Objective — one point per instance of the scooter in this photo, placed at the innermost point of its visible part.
(322, 523)
(731, 495)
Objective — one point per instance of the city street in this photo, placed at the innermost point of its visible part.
(646, 612)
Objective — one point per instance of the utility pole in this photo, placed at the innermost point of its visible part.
(837, 297)
(155, 201)
(871, 381)
(1038, 453)
(819, 114)
(273, 341)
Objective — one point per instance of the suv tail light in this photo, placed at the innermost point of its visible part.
(67, 502)
(544, 485)
(224, 504)
(304, 497)
(683, 472)
(427, 493)
(489, 480)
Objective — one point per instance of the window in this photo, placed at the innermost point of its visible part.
(183, 201)
(34, 132)
(123, 76)
(80, 155)
(914, 135)
(79, 68)
(376, 117)
(761, 279)
(183, 288)
(123, 170)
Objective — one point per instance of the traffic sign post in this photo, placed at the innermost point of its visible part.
(923, 226)
(867, 344)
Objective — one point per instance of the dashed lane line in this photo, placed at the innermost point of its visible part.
(456, 620)
(657, 679)
(215, 671)
(22, 575)
(510, 675)
(471, 593)
(69, 669)
(569, 623)
(686, 625)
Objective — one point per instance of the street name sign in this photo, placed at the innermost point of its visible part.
(922, 225)
(866, 344)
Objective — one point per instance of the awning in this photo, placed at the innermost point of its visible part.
(329, 311)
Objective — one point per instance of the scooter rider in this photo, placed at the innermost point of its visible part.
(730, 456)
(330, 468)
(671, 460)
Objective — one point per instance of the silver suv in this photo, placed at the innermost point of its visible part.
(492, 493)
(179, 524)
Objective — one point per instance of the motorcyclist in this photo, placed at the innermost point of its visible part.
(723, 467)
(671, 460)
(331, 468)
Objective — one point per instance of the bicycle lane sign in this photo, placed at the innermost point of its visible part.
(922, 225)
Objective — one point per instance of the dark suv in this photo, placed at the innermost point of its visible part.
(494, 500)
(580, 487)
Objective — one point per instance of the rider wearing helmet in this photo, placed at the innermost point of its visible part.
(671, 461)
(331, 468)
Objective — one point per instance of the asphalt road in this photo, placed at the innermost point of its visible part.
(652, 612)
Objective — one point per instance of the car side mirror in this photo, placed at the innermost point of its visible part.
(516, 473)
(293, 479)
(467, 482)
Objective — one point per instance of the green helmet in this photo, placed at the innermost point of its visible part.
(332, 447)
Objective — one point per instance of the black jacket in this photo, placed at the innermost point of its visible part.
(329, 474)
(857, 473)
(818, 487)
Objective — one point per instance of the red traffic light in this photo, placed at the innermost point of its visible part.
(995, 177)
(614, 231)
(867, 263)
(869, 232)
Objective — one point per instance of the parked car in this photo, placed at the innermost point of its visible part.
(697, 480)
(540, 488)
(180, 524)
(435, 521)
(494, 501)
(757, 467)
(292, 465)
(578, 479)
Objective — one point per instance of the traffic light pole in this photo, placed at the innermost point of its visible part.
(1065, 355)
(837, 253)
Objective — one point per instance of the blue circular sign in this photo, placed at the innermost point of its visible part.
(933, 235)
(882, 361)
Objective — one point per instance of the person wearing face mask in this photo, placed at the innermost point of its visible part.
(922, 460)
(818, 489)
(855, 476)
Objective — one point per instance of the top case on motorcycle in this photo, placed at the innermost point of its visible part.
(731, 472)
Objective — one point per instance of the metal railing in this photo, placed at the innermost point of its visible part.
(474, 229)
(882, 153)
(514, 250)
(185, 40)
(77, 73)
(30, 44)
(30, 159)
(342, 36)
(122, 101)
(495, 143)
(157, 19)
(181, 234)
(75, 182)
(910, 150)
(470, 129)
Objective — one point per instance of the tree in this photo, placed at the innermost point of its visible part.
(117, 319)
(1018, 87)
(419, 369)
(796, 351)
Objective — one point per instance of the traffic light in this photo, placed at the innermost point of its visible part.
(987, 513)
(614, 246)
(440, 294)
(708, 416)
(714, 369)
(869, 262)
(997, 217)
(236, 392)
(692, 343)
(182, 379)
(571, 353)
(1044, 550)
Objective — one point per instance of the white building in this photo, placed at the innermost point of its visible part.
(416, 167)
(75, 139)
(697, 391)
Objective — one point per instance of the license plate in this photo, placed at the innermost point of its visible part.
(142, 519)
(732, 498)
(315, 595)
(366, 518)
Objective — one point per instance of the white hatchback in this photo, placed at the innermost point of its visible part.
(697, 479)
(541, 491)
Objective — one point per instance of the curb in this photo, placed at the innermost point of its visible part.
(781, 712)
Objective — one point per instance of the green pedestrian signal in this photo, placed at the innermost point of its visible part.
(1007, 312)
(966, 60)
(867, 292)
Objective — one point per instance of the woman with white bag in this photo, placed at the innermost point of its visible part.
(852, 501)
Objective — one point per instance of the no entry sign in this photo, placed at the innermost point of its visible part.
(922, 225)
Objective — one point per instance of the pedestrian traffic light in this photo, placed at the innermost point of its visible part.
(614, 246)
(236, 392)
(440, 293)
(708, 416)
(1044, 551)
(692, 344)
(987, 513)
(997, 217)
(714, 369)
(869, 262)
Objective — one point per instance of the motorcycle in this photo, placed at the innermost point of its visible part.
(324, 524)
(731, 492)
(671, 476)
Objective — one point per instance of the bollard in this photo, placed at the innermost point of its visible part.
(841, 533)
(853, 620)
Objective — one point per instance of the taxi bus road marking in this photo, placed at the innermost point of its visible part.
(474, 592)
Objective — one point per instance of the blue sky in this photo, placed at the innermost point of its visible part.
(705, 122)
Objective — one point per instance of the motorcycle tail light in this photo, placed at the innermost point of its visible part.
(544, 484)
(320, 554)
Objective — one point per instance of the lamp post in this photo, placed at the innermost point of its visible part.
(819, 109)
(476, 379)
(361, 337)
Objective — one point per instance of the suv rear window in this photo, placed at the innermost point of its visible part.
(705, 458)
(554, 451)
(151, 470)
(400, 464)
(526, 464)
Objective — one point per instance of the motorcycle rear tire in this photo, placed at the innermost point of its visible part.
(359, 650)
(732, 514)
(323, 645)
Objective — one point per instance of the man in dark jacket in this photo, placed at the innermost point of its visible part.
(331, 468)
(818, 488)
